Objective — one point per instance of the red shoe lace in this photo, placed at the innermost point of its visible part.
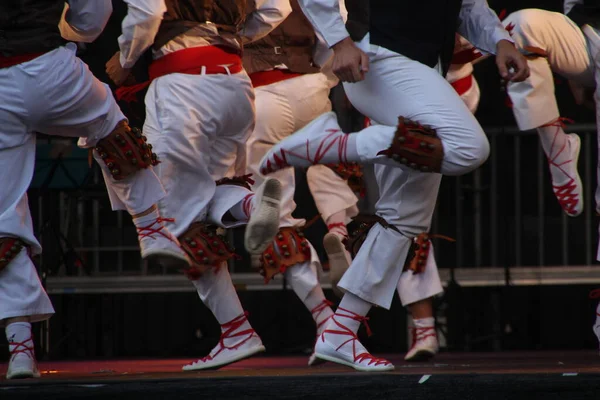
(22, 347)
(149, 231)
(318, 310)
(339, 228)
(334, 137)
(343, 313)
(565, 195)
(228, 333)
(419, 334)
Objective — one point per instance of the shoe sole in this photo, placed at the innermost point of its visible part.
(421, 356)
(248, 353)
(335, 248)
(261, 229)
(313, 361)
(23, 374)
(352, 365)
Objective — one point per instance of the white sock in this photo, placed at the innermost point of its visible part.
(556, 145)
(319, 307)
(336, 224)
(148, 220)
(243, 209)
(356, 306)
(19, 332)
(424, 322)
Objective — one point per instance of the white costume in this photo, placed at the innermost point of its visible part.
(56, 94)
(394, 86)
(198, 124)
(554, 43)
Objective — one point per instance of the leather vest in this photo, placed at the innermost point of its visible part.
(29, 26)
(292, 43)
(422, 30)
(182, 15)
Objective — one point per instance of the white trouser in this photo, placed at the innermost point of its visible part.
(397, 86)
(572, 52)
(198, 125)
(282, 108)
(55, 94)
(330, 192)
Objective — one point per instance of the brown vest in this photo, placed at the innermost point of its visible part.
(292, 43)
(29, 26)
(183, 15)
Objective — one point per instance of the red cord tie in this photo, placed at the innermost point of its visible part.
(419, 334)
(353, 338)
(564, 193)
(318, 310)
(327, 143)
(149, 231)
(22, 347)
(228, 333)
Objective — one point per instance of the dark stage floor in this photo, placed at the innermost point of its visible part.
(509, 375)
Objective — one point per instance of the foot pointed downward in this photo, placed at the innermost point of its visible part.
(319, 142)
(264, 219)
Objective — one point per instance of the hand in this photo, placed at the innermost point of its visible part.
(512, 65)
(349, 62)
(115, 71)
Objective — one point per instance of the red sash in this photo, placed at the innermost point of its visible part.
(193, 61)
(264, 78)
(6, 62)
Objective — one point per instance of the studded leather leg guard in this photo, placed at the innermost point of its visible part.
(9, 248)
(288, 248)
(205, 247)
(125, 151)
(359, 229)
(419, 252)
(351, 172)
(416, 146)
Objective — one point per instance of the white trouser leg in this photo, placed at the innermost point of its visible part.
(281, 109)
(274, 121)
(197, 125)
(407, 200)
(417, 287)
(225, 197)
(330, 192)
(217, 292)
(21, 292)
(303, 278)
(534, 103)
(398, 86)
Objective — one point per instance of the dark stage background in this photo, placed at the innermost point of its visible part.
(476, 319)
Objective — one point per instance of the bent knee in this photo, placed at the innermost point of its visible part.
(467, 156)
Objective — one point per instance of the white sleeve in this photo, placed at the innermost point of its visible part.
(327, 17)
(266, 17)
(139, 28)
(322, 52)
(84, 20)
(569, 4)
(480, 25)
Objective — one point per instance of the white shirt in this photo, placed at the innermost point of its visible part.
(478, 23)
(84, 20)
(569, 4)
(143, 19)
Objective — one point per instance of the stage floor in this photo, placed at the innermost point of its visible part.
(507, 375)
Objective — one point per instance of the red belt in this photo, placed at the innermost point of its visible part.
(193, 61)
(463, 84)
(6, 62)
(264, 78)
